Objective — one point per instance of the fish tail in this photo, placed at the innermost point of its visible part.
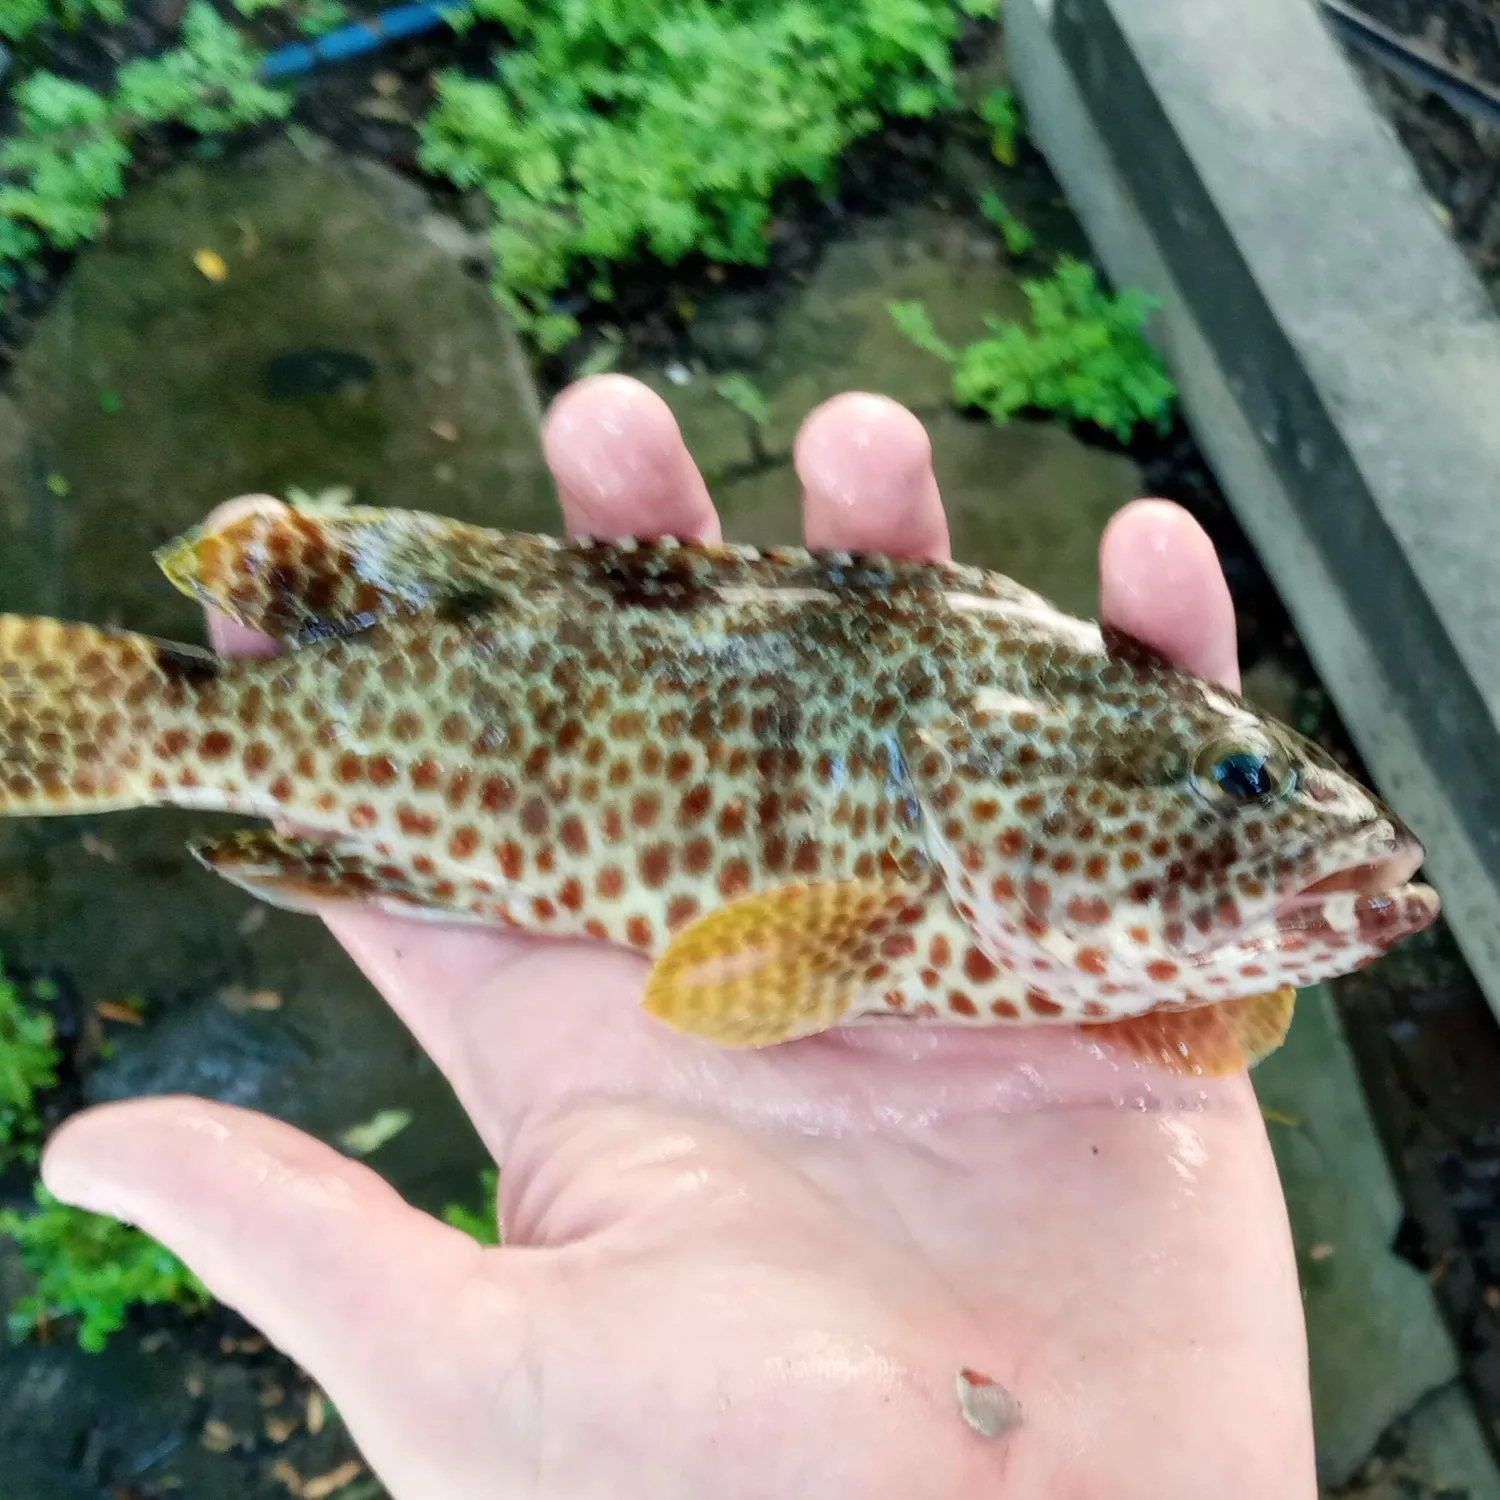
(99, 720)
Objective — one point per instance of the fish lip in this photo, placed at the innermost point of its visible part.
(1378, 859)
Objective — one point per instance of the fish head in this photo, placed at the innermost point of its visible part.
(1134, 839)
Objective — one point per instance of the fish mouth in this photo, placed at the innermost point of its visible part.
(1369, 875)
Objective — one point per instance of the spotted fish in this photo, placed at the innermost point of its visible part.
(815, 788)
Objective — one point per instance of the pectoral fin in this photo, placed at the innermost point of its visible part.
(1208, 1041)
(782, 964)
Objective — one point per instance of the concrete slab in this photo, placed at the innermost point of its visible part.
(1376, 1339)
(1340, 366)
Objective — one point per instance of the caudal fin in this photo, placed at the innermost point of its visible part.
(89, 718)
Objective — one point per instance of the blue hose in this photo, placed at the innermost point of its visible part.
(356, 38)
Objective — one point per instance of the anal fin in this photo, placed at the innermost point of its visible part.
(307, 876)
(1208, 1041)
(782, 964)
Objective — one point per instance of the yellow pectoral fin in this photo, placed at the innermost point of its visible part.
(1208, 1041)
(782, 964)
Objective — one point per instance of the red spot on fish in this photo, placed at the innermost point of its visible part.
(941, 951)
(496, 795)
(573, 835)
(535, 817)
(1092, 961)
(960, 1004)
(281, 789)
(257, 757)
(362, 815)
(381, 770)
(978, 967)
(348, 768)
(1011, 842)
(415, 824)
(611, 882)
(1005, 1009)
(215, 745)
(543, 909)
(680, 911)
(654, 865)
(512, 860)
(172, 744)
(734, 879)
(645, 808)
(1162, 970)
(697, 856)
(1088, 911)
(694, 805)
(1041, 1005)
(463, 842)
(638, 932)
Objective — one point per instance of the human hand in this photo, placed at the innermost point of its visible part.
(755, 1276)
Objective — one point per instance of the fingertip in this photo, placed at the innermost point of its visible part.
(1160, 581)
(621, 465)
(228, 637)
(865, 463)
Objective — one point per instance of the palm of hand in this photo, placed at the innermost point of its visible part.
(758, 1275)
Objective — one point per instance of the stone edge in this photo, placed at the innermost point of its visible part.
(1376, 638)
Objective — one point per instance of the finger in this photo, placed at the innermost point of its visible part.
(865, 463)
(1160, 581)
(621, 466)
(314, 1249)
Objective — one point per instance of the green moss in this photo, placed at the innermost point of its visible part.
(28, 1065)
(71, 147)
(19, 19)
(94, 1269)
(664, 127)
(1084, 357)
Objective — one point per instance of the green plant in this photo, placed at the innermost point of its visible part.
(69, 152)
(1018, 238)
(311, 17)
(745, 396)
(28, 1064)
(484, 1224)
(19, 18)
(1084, 357)
(999, 111)
(92, 1268)
(615, 127)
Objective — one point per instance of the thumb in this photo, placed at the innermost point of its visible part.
(386, 1307)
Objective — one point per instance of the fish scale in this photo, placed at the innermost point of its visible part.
(813, 788)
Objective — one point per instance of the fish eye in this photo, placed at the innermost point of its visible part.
(1228, 772)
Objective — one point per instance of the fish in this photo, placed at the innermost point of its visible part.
(814, 789)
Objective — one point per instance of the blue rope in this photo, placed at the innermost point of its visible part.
(357, 38)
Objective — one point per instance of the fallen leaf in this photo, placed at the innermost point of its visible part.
(217, 1436)
(333, 1481)
(252, 921)
(100, 848)
(384, 109)
(237, 998)
(1320, 1251)
(283, 1471)
(441, 427)
(193, 1385)
(386, 83)
(1492, 1297)
(211, 264)
(376, 1131)
(116, 1010)
(249, 240)
(272, 1395)
(153, 1343)
(279, 1429)
(1275, 1117)
(317, 1412)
